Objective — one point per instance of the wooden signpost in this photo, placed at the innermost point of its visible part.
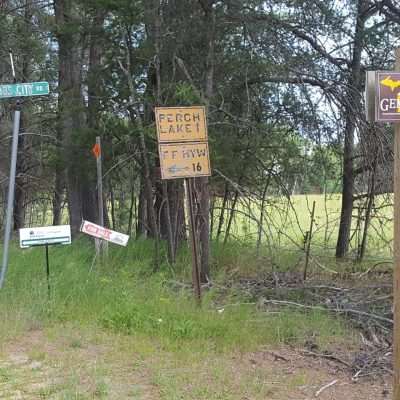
(383, 105)
(183, 149)
(101, 246)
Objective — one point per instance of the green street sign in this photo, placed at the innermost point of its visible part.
(24, 90)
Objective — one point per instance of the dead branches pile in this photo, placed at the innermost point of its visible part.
(368, 309)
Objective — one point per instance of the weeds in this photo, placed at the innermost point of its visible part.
(143, 317)
(122, 297)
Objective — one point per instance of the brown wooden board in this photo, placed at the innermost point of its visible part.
(387, 96)
(184, 160)
(181, 124)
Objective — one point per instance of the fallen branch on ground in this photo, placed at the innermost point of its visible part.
(326, 387)
(326, 356)
(337, 310)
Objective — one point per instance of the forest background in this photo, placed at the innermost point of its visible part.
(283, 83)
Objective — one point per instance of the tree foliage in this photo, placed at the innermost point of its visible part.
(282, 81)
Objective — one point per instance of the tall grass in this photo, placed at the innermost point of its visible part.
(122, 296)
(286, 221)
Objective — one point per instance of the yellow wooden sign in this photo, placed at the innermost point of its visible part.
(181, 124)
(184, 160)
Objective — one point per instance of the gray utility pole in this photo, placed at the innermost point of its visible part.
(11, 185)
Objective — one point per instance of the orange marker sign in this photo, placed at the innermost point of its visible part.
(96, 150)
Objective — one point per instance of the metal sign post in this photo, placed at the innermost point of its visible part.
(48, 270)
(11, 192)
(11, 184)
(8, 91)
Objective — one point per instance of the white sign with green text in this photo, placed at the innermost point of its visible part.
(43, 236)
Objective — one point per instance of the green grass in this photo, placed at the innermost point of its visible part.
(149, 322)
(285, 223)
(123, 297)
(131, 322)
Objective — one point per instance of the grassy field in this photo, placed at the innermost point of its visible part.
(116, 330)
(286, 222)
(119, 308)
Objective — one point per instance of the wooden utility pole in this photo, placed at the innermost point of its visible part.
(396, 273)
(101, 246)
(100, 183)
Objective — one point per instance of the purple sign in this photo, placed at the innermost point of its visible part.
(387, 96)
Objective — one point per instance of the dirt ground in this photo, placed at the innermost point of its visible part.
(66, 365)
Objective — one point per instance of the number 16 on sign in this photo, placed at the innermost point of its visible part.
(184, 160)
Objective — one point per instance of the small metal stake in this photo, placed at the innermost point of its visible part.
(48, 270)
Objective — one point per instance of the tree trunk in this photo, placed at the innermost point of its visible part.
(261, 222)
(347, 190)
(177, 198)
(222, 214)
(58, 192)
(141, 228)
(90, 195)
(370, 203)
(352, 104)
(131, 208)
(231, 216)
(203, 219)
(70, 103)
(20, 180)
(203, 183)
(21, 183)
(166, 209)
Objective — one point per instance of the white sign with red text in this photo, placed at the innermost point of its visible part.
(100, 232)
